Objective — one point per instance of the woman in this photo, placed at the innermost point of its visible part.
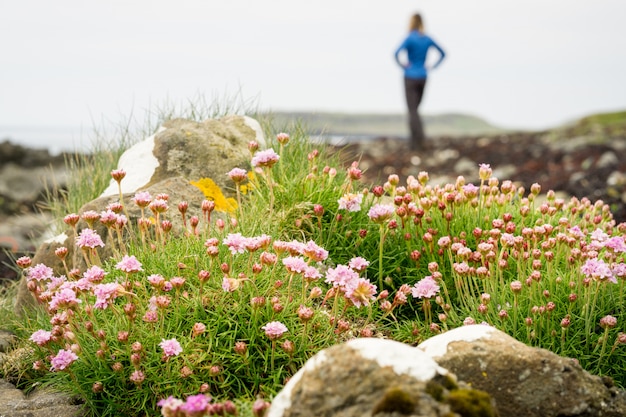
(416, 45)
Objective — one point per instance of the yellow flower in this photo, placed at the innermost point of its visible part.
(251, 183)
(213, 192)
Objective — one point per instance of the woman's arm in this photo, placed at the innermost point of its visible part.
(442, 53)
(397, 54)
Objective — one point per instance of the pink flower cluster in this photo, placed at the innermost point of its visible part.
(274, 330)
(89, 239)
(105, 294)
(310, 249)
(62, 360)
(196, 406)
(239, 244)
(39, 272)
(379, 213)
(237, 175)
(425, 288)
(64, 298)
(345, 279)
(170, 347)
(129, 264)
(351, 202)
(41, 337)
(266, 158)
(142, 199)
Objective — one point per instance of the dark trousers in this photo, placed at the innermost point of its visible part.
(414, 90)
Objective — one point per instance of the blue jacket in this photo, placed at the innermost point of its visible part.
(417, 45)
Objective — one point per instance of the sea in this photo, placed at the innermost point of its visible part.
(55, 139)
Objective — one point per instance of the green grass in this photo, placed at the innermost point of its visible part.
(477, 243)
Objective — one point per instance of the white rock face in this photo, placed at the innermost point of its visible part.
(283, 400)
(402, 358)
(139, 163)
(437, 346)
(254, 125)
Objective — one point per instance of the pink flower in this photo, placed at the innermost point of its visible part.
(282, 138)
(94, 274)
(41, 337)
(158, 206)
(118, 174)
(62, 360)
(608, 322)
(305, 313)
(468, 321)
(237, 175)
(616, 243)
(137, 377)
(170, 406)
(196, 405)
(25, 261)
(360, 292)
(252, 244)
(266, 158)
(39, 272)
(198, 329)
(351, 202)
(55, 283)
(236, 243)
(150, 316)
(274, 329)
(259, 407)
(88, 238)
(314, 252)
(484, 171)
(470, 190)
(311, 273)
(108, 218)
(142, 198)
(379, 213)
(425, 288)
(170, 347)
(619, 270)
(358, 264)
(516, 286)
(63, 299)
(295, 264)
(598, 270)
(230, 284)
(341, 276)
(129, 264)
(105, 294)
(156, 280)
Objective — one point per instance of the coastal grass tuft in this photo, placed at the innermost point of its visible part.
(220, 316)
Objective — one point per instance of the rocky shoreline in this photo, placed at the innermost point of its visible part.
(587, 165)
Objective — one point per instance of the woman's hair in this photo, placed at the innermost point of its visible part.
(416, 23)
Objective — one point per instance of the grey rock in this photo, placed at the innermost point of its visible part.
(7, 340)
(466, 166)
(366, 377)
(524, 381)
(192, 150)
(40, 403)
(23, 232)
(181, 152)
(607, 160)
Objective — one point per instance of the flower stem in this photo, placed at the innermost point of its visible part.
(380, 256)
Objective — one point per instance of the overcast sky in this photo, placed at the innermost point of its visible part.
(528, 64)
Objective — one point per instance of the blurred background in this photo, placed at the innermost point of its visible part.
(68, 65)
